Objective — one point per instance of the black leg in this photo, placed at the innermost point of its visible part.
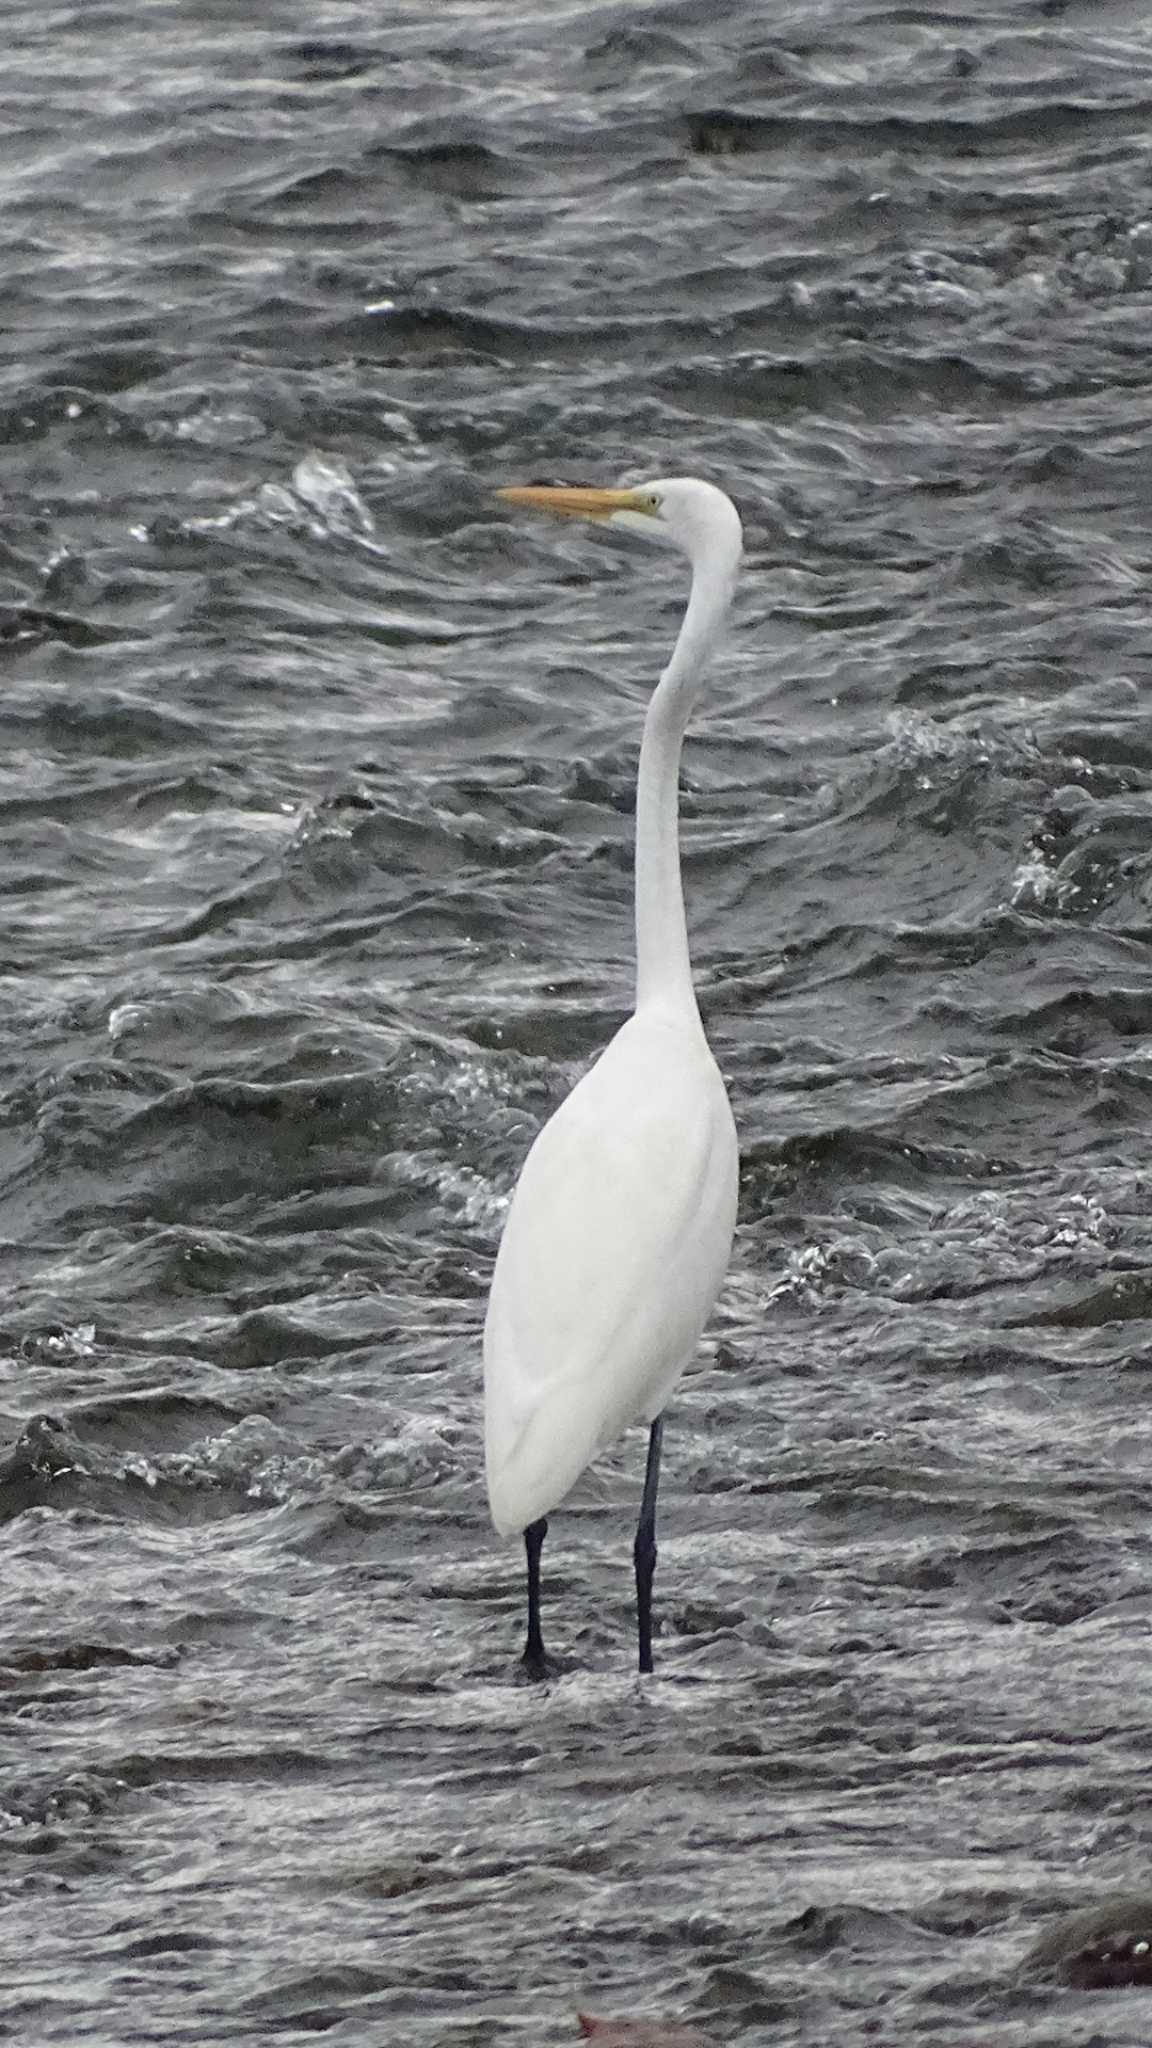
(644, 1550)
(534, 1660)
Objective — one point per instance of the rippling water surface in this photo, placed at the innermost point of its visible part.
(316, 790)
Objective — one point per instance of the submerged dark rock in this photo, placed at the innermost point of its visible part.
(1100, 1947)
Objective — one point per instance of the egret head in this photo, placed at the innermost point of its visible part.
(679, 512)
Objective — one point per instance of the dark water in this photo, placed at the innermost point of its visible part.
(315, 801)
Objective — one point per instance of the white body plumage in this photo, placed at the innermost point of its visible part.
(613, 1252)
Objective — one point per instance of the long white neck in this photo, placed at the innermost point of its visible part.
(663, 967)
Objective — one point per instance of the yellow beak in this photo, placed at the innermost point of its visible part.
(574, 501)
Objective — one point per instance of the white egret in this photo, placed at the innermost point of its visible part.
(620, 1228)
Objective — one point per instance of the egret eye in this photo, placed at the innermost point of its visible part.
(652, 501)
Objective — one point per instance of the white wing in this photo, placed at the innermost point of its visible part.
(615, 1246)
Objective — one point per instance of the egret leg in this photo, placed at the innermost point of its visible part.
(644, 1549)
(534, 1661)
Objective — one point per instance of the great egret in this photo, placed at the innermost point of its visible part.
(620, 1229)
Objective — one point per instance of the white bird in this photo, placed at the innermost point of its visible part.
(620, 1229)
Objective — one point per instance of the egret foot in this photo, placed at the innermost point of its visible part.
(534, 1669)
